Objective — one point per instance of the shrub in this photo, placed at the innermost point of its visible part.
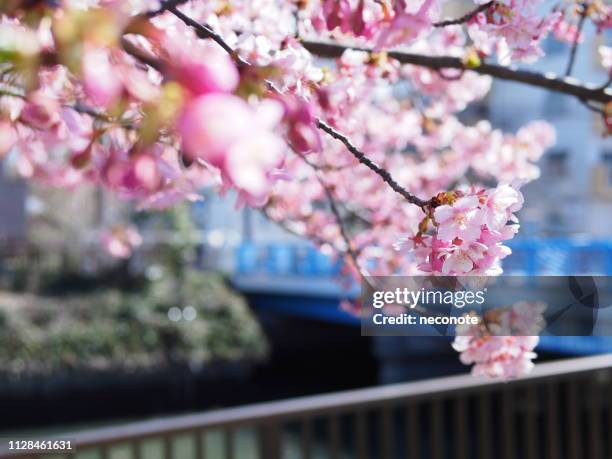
(109, 329)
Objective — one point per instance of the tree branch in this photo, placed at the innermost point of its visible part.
(142, 56)
(572, 59)
(363, 159)
(334, 208)
(325, 49)
(204, 31)
(77, 107)
(465, 18)
(546, 81)
(165, 6)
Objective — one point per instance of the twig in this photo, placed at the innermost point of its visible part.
(78, 107)
(205, 31)
(334, 208)
(606, 84)
(465, 18)
(574, 51)
(593, 108)
(547, 81)
(165, 6)
(363, 159)
(141, 55)
(11, 93)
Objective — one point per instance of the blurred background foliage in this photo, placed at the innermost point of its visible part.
(66, 313)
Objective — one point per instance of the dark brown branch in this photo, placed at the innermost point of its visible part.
(165, 6)
(142, 56)
(204, 31)
(465, 18)
(363, 159)
(572, 59)
(546, 81)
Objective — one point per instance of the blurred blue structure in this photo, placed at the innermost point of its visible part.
(530, 257)
(298, 280)
(559, 257)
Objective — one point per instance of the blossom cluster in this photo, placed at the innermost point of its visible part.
(129, 96)
(501, 345)
(469, 228)
(511, 29)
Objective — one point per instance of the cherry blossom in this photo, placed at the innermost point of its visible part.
(336, 119)
(120, 241)
(605, 54)
(406, 27)
(501, 345)
(461, 219)
(497, 356)
(512, 29)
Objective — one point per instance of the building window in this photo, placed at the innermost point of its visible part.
(556, 163)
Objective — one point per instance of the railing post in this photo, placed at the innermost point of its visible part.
(530, 423)
(167, 445)
(200, 447)
(306, 427)
(508, 418)
(228, 436)
(552, 422)
(436, 433)
(572, 415)
(413, 431)
(137, 450)
(269, 440)
(361, 435)
(386, 432)
(461, 420)
(334, 436)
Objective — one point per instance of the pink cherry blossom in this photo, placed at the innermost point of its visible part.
(406, 27)
(505, 357)
(227, 133)
(501, 203)
(209, 70)
(121, 241)
(513, 29)
(41, 112)
(210, 124)
(302, 134)
(349, 16)
(502, 348)
(100, 80)
(605, 54)
(566, 32)
(459, 220)
(8, 137)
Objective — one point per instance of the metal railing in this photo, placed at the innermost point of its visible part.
(561, 410)
(530, 257)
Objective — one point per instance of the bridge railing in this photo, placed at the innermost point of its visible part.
(530, 257)
(562, 410)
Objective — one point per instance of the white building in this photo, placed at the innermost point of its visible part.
(574, 194)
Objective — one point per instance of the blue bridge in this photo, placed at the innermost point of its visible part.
(297, 280)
